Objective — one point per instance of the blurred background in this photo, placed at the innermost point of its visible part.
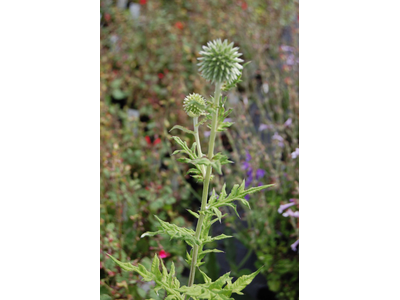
(149, 51)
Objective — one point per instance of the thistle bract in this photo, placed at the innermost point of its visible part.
(194, 105)
(220, 62)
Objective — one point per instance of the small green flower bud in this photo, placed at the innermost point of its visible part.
(194, 105)
(220, 62)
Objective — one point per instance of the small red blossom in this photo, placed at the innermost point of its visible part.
(163, 254)
(142, 2)
(150, 143)
(179, 25)
(157, 141)
(244, 5)
(148, 140)
(107, 17)
(160, 75)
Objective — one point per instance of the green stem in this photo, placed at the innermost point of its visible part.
(214, 124)
(196, 136)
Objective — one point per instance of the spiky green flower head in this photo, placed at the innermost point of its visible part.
(194, 105)
(220, 62)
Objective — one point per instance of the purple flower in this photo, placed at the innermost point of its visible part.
(277, 137)
(290, 60)
(286, 48)
(228, 120)
(248, 156)
(294, 245)
(247, 197)
(260, 174)
(284, 206)
(263, 127)
(288, 122)
(295, 153)
(207, 133)
(246, 166)
(291, 213)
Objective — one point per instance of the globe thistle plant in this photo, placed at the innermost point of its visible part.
(220, 62)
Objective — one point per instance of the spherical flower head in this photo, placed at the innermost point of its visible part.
(220, 62)
(194, 105)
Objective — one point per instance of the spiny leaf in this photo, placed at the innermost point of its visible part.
(155, 267)
(193, 171)
(209, 290)
(242, 282)
(147, 276)
(211, 250)
(183, 129)
(206, 278)
(218, 213)
(188, 235)
(193, 213)
(193, 149)
(255, 189)
(215, 238)
(200, 161)
(124, 266)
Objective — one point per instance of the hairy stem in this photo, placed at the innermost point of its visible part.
(214, 124)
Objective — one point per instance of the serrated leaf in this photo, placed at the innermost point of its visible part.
(193, 149)
(245, 202)
(155, 267)
(174, 231)
(216, 238)
(215, 220)
(124, 266)
(177, 151)
(211, 251)
(205, 277)
(147, 276)
(150, 233)
(242, 282)
(255, 189)
(200, 161)
(193, 213)
(218, 213)
(183, 129)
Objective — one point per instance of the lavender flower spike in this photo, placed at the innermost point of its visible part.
(260, 174)
(288, 122)
(295, 153)
(263, 127)
(291, 213)
(284, 206)
(294, 245)
(277, 137)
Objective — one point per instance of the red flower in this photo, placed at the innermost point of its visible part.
(107, 17)
(179, 25)
(163, 254)
(142, 2)
(148, 140)
(160, 75)
(157, 141)
(244, 5)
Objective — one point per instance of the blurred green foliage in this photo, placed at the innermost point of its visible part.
(149, 65)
